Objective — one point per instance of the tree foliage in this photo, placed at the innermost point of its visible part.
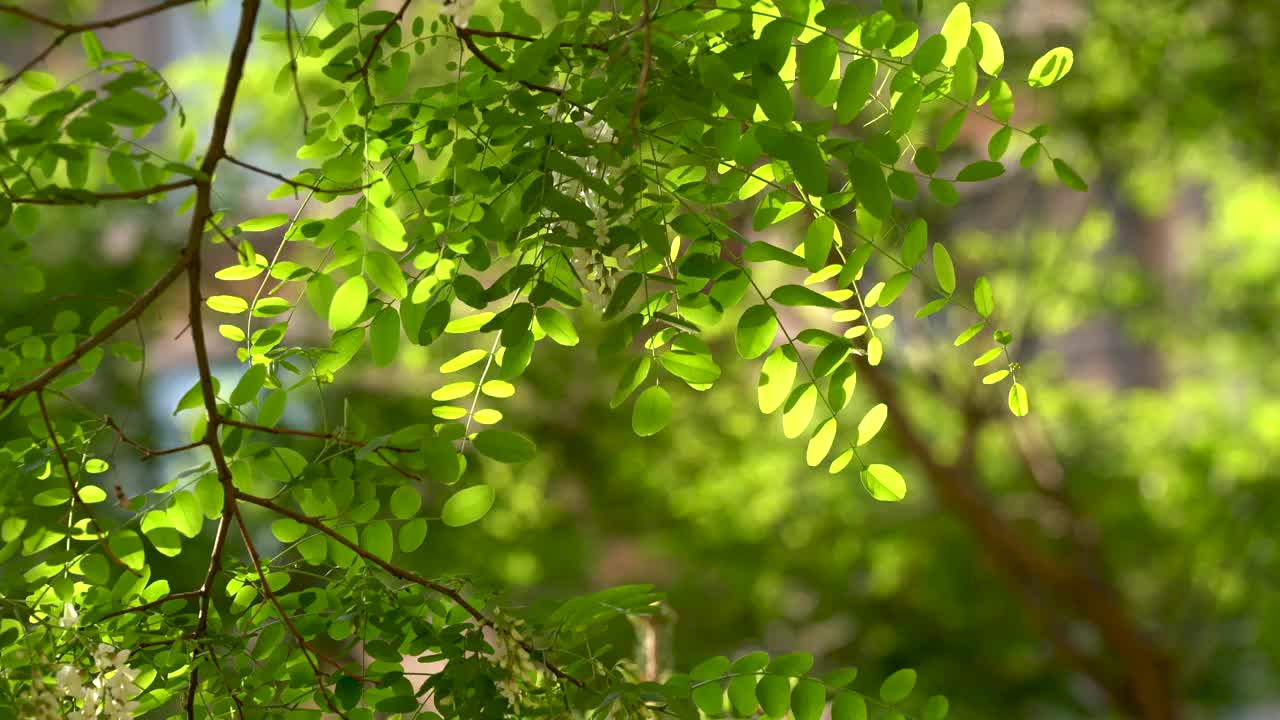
(581, 170)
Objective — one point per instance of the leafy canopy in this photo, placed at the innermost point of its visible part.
(588, 169)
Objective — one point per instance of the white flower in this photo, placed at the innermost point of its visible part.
(69, 681)
(70, 618)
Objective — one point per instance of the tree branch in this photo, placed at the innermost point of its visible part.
(76, 500)
(67, 30)
(377, 40)
(135, 309)
(295, 183)
(1143, 681)
(106, 196)
(405, 575)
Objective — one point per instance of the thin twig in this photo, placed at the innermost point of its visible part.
(76, 500)
(642, 85)
(295, 183)
(146, 452)
(92, 198)
(377, 40)
(407, 576)
(67, 30)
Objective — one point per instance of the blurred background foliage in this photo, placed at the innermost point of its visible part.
(1146, 319)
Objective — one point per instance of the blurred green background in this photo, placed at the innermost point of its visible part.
(1146, 315)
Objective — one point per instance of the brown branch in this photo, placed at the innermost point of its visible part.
(405, 575)
(67, 30)
(293, 65)
(341, 439)
(153, 604)
(75, 494)
(146, 452)
(215, 151)
(96, 24)
(307, 650)
(642, 86)
(107, 196)
(51, 373)
(295, 183)
(491, 64)
(516, 36)
(377, 40)
(1142, 681)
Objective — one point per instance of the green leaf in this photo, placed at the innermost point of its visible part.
(776, 377)
(820, 442)
(635, 374)
(970, 332)
(818, 241)
(884, 483)
(898, 686)
(929, 54)
(1019, 404)
(799, 410)
(870, 186)
(799, 296)
(949, 132)
(995, 377)
(935, 708)
(348, 303)
(915, 242)
(964, 79)
(288, 531)
(384, 336)
(999, 143)
(742, 695)
(504, 446)
(979, 171)
(774, 694)
(250, 383)
(127, 547)
(988, 356)
(855, 89)
(761, 251)
(773, 95)
(992, 60)
(814, 62)
(875, 350)
(944, 192)
(39, 81)
(808, 700)
(405, 502)
(1068, 176)
(227, 304)
(709, 698)
(1001, 100)
(467, 505)
(412, 534)
(377, 538)
(983, 298)
(695, 368)
(849, 706)
(652, 411)
(264, 223)
(943, 269)
(1051, 67)
(756, 330)
(557, 326)
(385, 272)
(385, 227)
(871, 423)
(956, 30)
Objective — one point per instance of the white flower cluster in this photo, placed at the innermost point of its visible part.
(459, 11)
(108, 697)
